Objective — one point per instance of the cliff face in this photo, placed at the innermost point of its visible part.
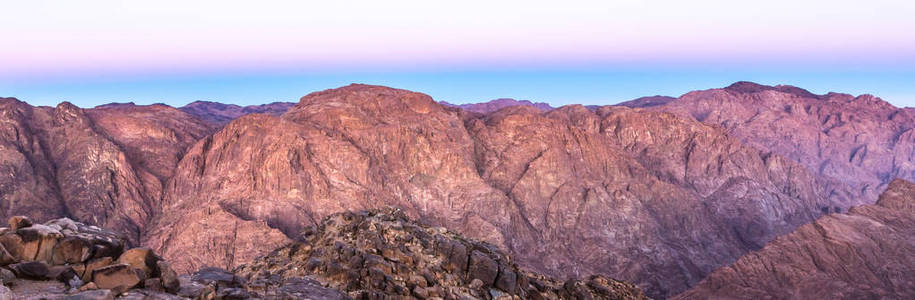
(648, 197)
(103, 166)
(867, 253)
(861, 141)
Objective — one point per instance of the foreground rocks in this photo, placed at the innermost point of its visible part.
(868, 253)
(380, 254)
(62, 258)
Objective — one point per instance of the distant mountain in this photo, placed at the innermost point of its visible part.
(219, 114)
(860, 141)
(647, 101)
(497, 104)
(868, 253)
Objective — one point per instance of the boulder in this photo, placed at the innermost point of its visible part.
(12, 243)
(92, 295)
(118, 278)
(85, 270)
(141, 258)
(71, 250)
(482, 267)
(6, 275)
(38, 242)
(31, 269)
(217, 277)
(169, 277)
(17, 222)
(5, 257)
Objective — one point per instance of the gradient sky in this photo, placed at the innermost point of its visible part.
(591, 52)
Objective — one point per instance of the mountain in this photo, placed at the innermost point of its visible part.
(660, 195)
(219, 114)
(647, 101)
(647, 197)
(861, 141)
(104, 166)
(381, 253)
(867, 253)
(497, 104)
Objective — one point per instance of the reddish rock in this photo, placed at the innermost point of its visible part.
(867, 253)
(17, 222)
(142, 259)
(858, 141)
(71, 250)
(119, 277)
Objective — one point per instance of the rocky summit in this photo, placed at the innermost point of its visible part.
(381, 254)
(867, 253)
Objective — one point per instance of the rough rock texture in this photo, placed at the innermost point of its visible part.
(648, 197)
(862, 142)
(868, 253)
(104, 166)
(219, 114)
(66, 259)
(380, 253)
(497, 104)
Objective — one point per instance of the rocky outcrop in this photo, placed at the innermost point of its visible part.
(63, 257)
(648, 197)
(859, 141)
(219, 114)
(867, 253)
(497, 104)
(381, 254)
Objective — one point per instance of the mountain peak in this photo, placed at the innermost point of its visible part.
(748, 87)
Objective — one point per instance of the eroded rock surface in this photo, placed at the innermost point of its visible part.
(861, 141)
(867, 253)
(381, 254)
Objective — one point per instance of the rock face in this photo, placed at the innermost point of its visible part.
(862, 142)
(497, 104)
(648, 197)
(104, 166)
(868, 253)
(380, 254)
(219, 114)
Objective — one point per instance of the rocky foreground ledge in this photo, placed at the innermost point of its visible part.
(64, 259)
(381, 254)
(377, 254)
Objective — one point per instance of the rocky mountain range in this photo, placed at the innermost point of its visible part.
(661, 193)
(497, 104)
(219, 114)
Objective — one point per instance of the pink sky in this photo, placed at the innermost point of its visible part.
(43, 38)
